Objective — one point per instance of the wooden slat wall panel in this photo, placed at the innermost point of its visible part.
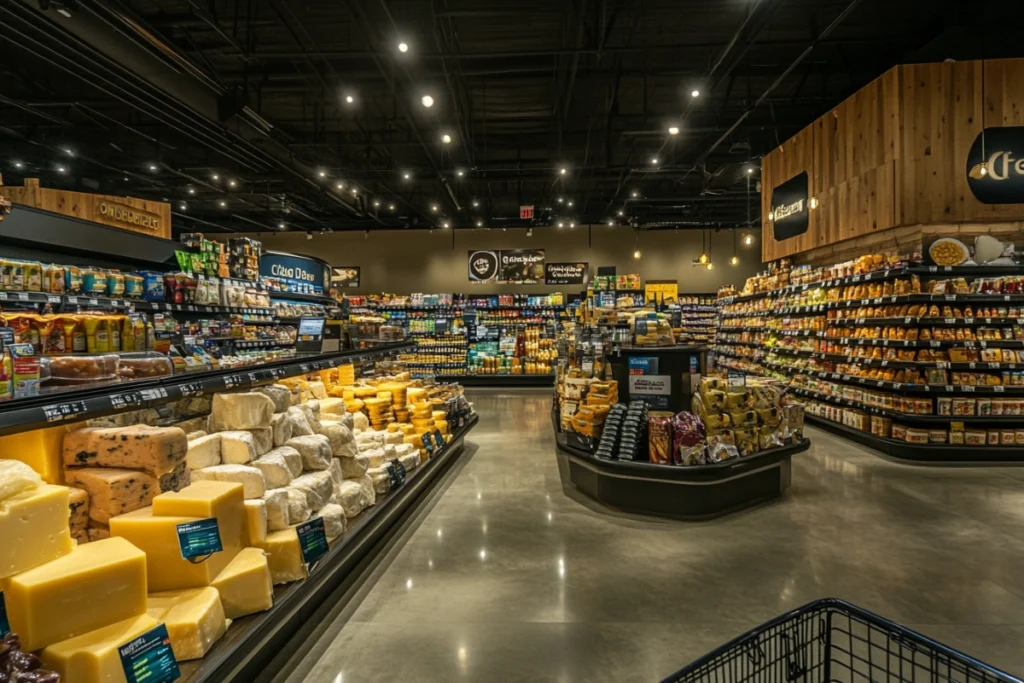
(87, 206)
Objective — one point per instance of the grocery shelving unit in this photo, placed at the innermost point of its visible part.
(875, 367)
(698, 321)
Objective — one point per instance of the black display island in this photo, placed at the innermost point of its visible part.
(664, 376)
(687, 493)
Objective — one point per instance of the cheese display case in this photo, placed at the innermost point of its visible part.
(474, 339)
(106, 514)
(920, 362)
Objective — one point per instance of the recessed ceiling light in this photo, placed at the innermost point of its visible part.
(191, 190)
(183, 206)
(349, 99)
(561, 225)
(213, 176)
(376, 202)
(476, 204)
(391, 207)
(572, 224)
(322, 174)
(152, 167)
(673, 130)
(62, 169)
(434, 208)
(446, 224)
(563, 170)
(620, 212)
(406, 176)
(403, 47)
(611, 222)
(339, 185)
(68, 151)
(232, 183)
(561, 200)
(427, 101)
(634, 194)
(18, 164)
(654, 161)
(355, 190)
(479, 224)
(695, 93)
(446, 139)
(569, 204)
(282, 225)
(460, 173)
(222, 203)
(750, 170)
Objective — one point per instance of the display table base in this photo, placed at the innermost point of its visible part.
(689, 493)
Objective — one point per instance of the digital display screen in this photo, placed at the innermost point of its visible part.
(311, 327)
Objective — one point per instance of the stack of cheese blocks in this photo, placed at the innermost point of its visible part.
(398, 392)
(295, 462)
(77, 604)
(378, 410)
(422, 418)
(115, 470)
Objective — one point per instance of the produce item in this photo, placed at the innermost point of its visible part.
(256, 520)
(33, 523)
(240, 411)
(194, 618)
(284, 556)
(315, 450)
(298, 506)
(277, 509)
(95, 585)
(334, 520)
(156, 450)
(245, 585)
(114, 491)
(157, 536)
(93, 657)
(275, 469)
(204, 451)
(205, 499)
(318, 487)
(251, 478)
(237, 447)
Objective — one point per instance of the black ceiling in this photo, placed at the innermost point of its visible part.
(155, 97)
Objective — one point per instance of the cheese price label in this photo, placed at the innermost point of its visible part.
(396, 474)
(438, 439)
(5, 628)
(428, 443)
(312, 540)
(149, 658)
(199, 539)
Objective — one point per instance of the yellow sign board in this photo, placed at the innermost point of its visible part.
(661, 291)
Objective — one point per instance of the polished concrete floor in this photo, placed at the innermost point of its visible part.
(508, 575)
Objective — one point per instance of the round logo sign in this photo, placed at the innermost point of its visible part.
(483, 266)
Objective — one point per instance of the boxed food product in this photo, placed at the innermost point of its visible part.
(917, 436)
(899, 432)
(1007, 437)
(659, 439)
(937, 436)
(962, 406)
(944, 405)
(993, 437)
(975, 437)
(956, 438)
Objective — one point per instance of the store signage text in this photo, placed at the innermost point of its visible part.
(119, 213)
(995, 166)
(565, 273)
(297, 269)
(277, 270)
(789, 215)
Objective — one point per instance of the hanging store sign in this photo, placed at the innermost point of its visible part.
(521, 266)
(301, 273)
(483, 266)
(790, 211)
(345, 276)
(565, 273)
(995, 166)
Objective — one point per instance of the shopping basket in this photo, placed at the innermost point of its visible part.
(831, 640)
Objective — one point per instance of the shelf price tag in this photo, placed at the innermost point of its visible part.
(153, 394)
(191, 388)
(438, 439)
(232, 381)
(129, 399)
(428, 443)
(64, 411)
(51, 299)
(312, 540)
(149, 658)
(999, 389)
(967, 387)
(199, 540)
(396, 474)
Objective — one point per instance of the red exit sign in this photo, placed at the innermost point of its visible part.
(526, 212)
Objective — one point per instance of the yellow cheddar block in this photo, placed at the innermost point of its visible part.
(40, 449)
(34, 529)
(256, 521)
(166, 569)
(284, 556)
(245, 585)
(221, 499)
(95, 585)
(194, 619)
(92, 657)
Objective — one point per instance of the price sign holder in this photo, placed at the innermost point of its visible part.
(312, 540)
(149, 658)
(428, 443)
(396, 473)
(438, 439)
(199, 540)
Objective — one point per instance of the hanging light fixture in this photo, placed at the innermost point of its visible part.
(735, 260)
(703, 249)
(636, 252)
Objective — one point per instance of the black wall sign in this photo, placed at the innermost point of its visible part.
(483, 266)
(345, 276)
(521, 266)
(1001, 179)
(565, 273)
(789, 208)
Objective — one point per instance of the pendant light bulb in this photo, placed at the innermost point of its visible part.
(711, 266)
(636, 254)
(735, 260)
(704, 258)
(748, 240)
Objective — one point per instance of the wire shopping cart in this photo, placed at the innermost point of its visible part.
(831, 640)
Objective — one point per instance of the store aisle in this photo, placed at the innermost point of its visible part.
(508, 576)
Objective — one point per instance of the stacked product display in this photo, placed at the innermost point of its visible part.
(894, 353)
(697, 322)
(461, 334)
(118, 524)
